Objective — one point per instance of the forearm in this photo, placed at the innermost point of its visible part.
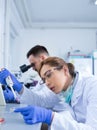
(67, 122)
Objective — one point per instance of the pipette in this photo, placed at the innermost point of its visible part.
(10, 84)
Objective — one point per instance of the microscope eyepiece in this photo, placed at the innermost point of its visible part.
(25, 67)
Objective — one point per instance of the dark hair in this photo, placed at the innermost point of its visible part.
(58, 62)
(36, 50)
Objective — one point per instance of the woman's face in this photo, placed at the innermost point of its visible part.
(55, 79)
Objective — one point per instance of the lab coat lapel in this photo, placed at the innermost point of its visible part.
(78, 90)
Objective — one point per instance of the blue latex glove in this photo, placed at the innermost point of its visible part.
(8, 95)
(33, 114)
(16, 84)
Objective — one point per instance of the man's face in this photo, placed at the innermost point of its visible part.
(36, 60)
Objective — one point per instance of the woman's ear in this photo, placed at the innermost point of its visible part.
(66, 71)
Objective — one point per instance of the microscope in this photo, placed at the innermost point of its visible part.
(25, 67)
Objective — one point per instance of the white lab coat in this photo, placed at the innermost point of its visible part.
(42, 96)
(84, 105)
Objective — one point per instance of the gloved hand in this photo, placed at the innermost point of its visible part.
(34, 114)
(8, 95)
(16, 84)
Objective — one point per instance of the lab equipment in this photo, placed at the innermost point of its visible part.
(34, 114)
(25, 67)
(82, 64)
(1, 120)
(8, 95)
(95, 66)
(10, 84)
(32, 84)
(7, 78)
(94, 55)
(2, 99)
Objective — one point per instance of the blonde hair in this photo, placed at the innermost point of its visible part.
(58, 62)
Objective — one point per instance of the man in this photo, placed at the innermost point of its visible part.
(40, 95)
(36, 55)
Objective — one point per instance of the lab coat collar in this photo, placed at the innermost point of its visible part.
(78, 90)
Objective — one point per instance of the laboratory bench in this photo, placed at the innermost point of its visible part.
(14, 121)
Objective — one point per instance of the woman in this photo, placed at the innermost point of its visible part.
(79, 92)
